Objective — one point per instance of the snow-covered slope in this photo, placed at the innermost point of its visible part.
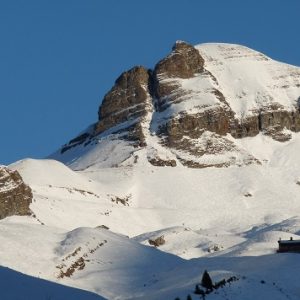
(120, 268)
(141, 171)
(250, 80)
(151, 198)
(226, 219)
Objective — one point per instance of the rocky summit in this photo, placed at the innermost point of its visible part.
(15, 195)
(194, 106)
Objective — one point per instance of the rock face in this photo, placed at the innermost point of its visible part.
(196, 102)
(126, 100)
(183, 62)
(15, 195)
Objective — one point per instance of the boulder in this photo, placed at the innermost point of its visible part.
(157, 242)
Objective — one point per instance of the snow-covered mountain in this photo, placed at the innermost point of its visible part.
(191, 110)
(201, 153)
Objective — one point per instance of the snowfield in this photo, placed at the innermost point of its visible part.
(227, 221)
(96, 207)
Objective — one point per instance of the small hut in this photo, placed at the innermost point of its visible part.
(290, 245)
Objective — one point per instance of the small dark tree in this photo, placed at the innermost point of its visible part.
(189, 297)
(206, 281)
(199, 291)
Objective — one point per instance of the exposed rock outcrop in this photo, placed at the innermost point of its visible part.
(157, 242)
(193, 125)
(15, 195)
(183, 62)
(127, 101)
(158, 162)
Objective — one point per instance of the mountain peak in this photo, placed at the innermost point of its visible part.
(183, 62)
(193, 107)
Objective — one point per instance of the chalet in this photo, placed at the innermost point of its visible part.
(288, 245)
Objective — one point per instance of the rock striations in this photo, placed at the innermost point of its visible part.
(15, 195)
(194, 106)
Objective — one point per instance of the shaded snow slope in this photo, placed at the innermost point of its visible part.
(17, 286)
(90, 259)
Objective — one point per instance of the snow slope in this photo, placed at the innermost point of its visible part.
(160, 197)
(250, 80)
(225, 220)
(120, 268)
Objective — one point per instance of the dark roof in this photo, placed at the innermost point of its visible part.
(289, 241)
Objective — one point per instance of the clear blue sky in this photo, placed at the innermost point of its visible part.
(59, 57)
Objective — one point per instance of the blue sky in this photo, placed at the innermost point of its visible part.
(58, 58)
